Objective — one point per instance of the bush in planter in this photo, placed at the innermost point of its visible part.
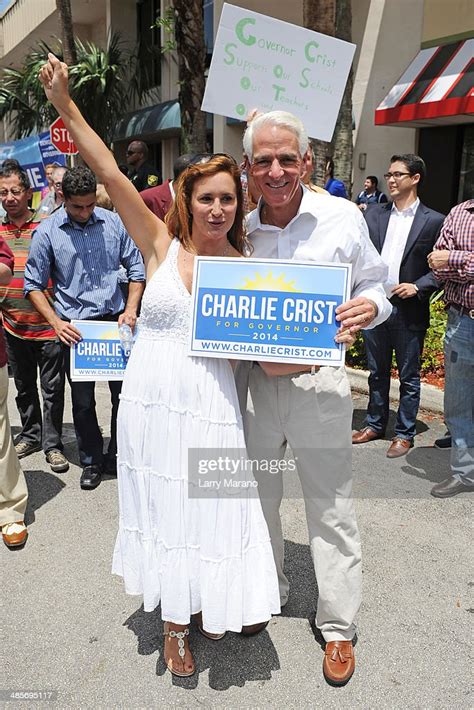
(432, 359)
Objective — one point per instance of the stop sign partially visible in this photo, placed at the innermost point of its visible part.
(61, 138)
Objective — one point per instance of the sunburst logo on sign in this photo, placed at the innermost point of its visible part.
(269, 283)
(111, 334)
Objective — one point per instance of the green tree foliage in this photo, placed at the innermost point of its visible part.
(102, 83)
(432, 360)
(334, 18)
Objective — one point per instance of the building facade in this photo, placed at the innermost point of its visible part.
(389, 35)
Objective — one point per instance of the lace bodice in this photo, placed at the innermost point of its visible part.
(166, 302)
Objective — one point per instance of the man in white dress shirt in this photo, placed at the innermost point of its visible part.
(403, 232)
(310, 408)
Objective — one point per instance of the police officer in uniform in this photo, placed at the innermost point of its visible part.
(141, 173)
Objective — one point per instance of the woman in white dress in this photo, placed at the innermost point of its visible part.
(209, 557)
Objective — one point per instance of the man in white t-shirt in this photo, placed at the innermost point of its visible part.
(310, 409)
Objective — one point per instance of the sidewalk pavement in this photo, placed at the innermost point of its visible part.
(69, 628)
(432, 398)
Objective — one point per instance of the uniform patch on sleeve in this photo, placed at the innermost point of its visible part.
(152, 180)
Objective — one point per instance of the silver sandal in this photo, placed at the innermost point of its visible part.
(180, 635)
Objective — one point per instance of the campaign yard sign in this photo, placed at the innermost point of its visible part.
(263, 63)
(33, 153)
(99, 355)
(268, 309)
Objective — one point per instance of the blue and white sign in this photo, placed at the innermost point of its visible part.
(99, 355)
(33, 153)
(268, 309)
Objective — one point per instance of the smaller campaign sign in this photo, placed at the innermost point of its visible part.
(268, 309)
(99, 355)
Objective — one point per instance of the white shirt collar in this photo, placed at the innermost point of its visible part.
(408, 211)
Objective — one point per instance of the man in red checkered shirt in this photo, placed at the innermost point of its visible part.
(452, 262)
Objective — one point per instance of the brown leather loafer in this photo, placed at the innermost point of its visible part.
(450, 487)
(399, 447)
(14, 534)
(339, 662)
(365, 435)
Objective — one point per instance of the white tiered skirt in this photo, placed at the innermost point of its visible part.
(189, 554)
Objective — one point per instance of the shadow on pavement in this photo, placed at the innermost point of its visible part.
(358, 422)
(303, 589)
(234, 660)
(42, 487)
(428, 463)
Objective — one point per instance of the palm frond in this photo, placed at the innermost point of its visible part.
(99, 83)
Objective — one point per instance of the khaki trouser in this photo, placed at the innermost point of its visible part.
(313, 414)
(13, 490)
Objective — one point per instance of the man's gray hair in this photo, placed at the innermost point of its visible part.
(283, 119)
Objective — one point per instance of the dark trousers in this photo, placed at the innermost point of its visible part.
(89, 437)
(25, 358)
(380, 342)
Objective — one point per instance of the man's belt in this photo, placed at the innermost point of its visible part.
(462, 310)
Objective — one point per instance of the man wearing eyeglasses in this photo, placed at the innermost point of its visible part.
(31, 342)
(404, 232)
(141, 173)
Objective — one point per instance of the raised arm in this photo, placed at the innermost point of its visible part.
(148, 232)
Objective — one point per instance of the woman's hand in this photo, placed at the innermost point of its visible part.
(54, 77)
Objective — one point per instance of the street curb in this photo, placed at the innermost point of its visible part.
(432, 398)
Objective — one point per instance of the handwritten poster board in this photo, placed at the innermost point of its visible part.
(264, 63)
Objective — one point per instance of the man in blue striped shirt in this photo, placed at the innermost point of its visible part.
(81, 248)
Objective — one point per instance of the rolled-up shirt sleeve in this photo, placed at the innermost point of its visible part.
(131, 258)
(369, 273)
(460, 266)
(39, 262)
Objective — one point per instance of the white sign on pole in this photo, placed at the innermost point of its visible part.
(259, 62)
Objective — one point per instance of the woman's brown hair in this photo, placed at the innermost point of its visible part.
(179, 218)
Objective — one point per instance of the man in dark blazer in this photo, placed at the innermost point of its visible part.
(403, 232)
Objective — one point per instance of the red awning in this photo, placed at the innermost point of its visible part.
(436, 89)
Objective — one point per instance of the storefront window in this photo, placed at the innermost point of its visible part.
(466, 178)
(149, 48)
